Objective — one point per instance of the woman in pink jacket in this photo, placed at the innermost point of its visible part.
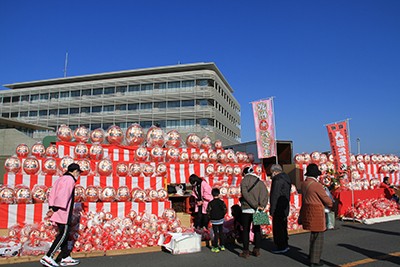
(202, 193)
(61, 203)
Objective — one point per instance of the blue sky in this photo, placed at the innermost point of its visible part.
(323, 61)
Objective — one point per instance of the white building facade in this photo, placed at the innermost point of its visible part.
(190, 98)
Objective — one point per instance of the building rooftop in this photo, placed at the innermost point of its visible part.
(122, 74)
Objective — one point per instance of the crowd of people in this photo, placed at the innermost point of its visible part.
(210, 209)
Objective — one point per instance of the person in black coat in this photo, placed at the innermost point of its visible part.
(279, 207)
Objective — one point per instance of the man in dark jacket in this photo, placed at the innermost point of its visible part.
(279, 207)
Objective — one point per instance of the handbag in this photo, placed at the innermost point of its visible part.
(330, 220)
(260, 218)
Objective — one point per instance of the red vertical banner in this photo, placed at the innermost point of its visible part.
(265, 128)
(338, 138)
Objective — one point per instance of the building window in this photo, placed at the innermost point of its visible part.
(43, 112)
(161, 124)
(96, 109)
(133, 106)
(54, 95)
(44, 96)
(146, 87)
(107, 125)
(24, 98)
(160, 85)
(173, 123)
(109, 90)
(5, 115)
(108, 108)
(87, 92)
(98, 91)
(187, 103)
(85, 109)
(53, 112)
(121, 89)
(23, 114)
(95, 126)
(162, 104)
(134, 88)
(188, 83)
(6, 99)
(15, 99)
(34, 98)
(146, 124)
(14, 114)
(63, 111)
(33, 113)
(76, 93)
(173, 104)
(174, 85)
(64, 94)
(145, 105)
(121, 107)
(73, 110)
(187, 123)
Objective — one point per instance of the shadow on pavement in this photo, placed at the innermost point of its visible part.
(373, 254)
(372, 230)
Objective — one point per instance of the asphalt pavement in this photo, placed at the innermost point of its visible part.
(349, 244)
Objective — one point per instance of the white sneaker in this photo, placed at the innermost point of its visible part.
(49, 262)
(69, 261)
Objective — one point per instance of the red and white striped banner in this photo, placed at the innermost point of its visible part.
(11, 214)
(338, 138)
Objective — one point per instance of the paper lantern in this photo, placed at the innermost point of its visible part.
(218, 144)
(374, 183)
(31, 165)
(105, 167)
(172, 155)
(222, 158)
(323, 167)
(81, 134)
(38, 150)
(97, 136)
(22, 150)
(299, 159)
(122, 169)
(7, 195)
(251, 157)
(360, 158)
(92, 193)
(169, 214)
(239, 157)
(323, 158)
(155, 137)
(220, 169)
(151, 195)
(148, 170)
(123, 194)
(12, 164)
(39, 194)
(307, 158)
(64, 133)
(114, 135)
(203, 157)
(184, 157)
(157, 154)
(135, 170)
(52, 151)
(49, 166)
(141, 154)
(228, 171)
(237, 170)
(210, 169)
(81, 151)
(246, 158)
(96, 152)
(384, 168)
(108, 194)
(193, 141)
(360, 167)
(134, 135)
(258, 169)
(84, 165)
(206, 143)
(161, 169)
(173, 139)
(65, 162)
(367, 159)
(380, 158)
(138, 195)
(212, 156)
(22, 194)
(194, 156)
(80, 195)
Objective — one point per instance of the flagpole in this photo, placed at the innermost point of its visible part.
(348, 171)
(273, 113)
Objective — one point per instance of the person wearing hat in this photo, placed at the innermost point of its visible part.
(312, 212)
(254, 197)
(61, 203)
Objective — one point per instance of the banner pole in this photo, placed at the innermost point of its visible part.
(276, 143)
(348, 171)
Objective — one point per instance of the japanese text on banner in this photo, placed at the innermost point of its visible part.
(338, 139)
(265, 128)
